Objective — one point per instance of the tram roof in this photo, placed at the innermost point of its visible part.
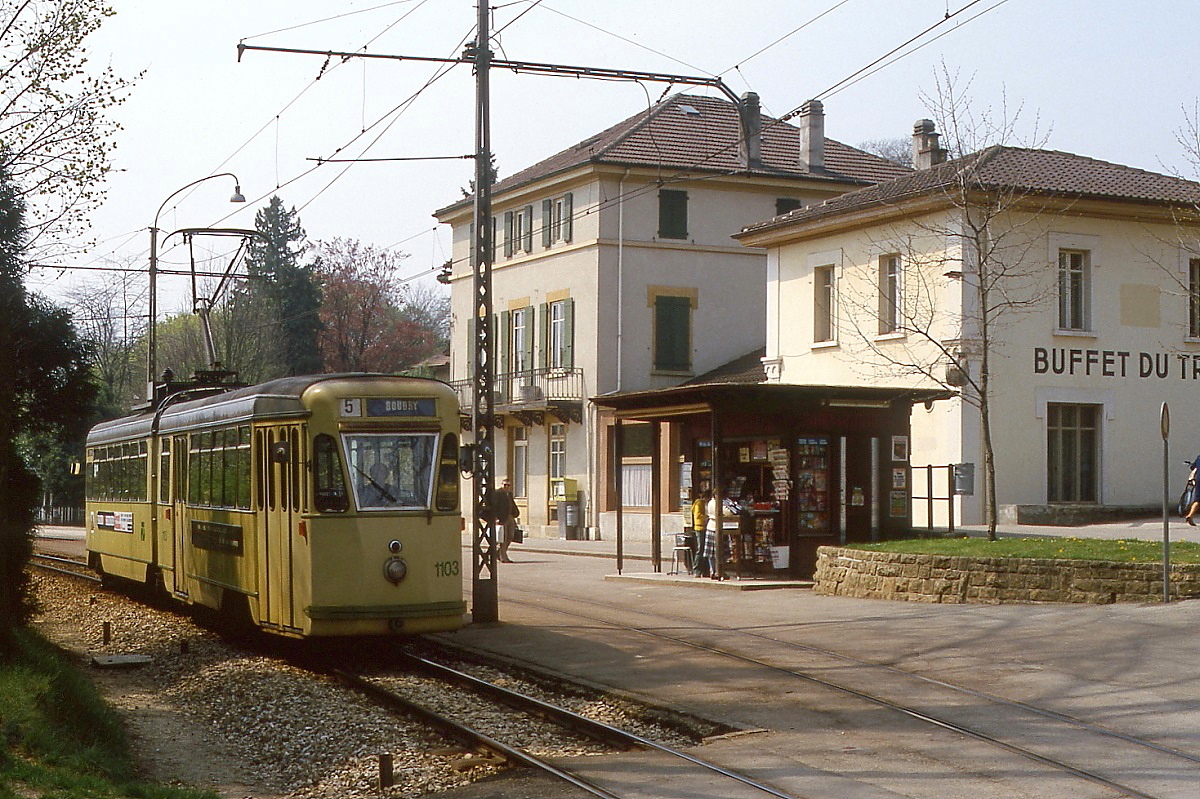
(280, 398)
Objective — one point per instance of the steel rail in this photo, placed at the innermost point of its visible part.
(962, 689)
(876, 700)
(468, 736)
(53, 559)
(595, 729)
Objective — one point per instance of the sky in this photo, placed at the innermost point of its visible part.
(1106, 79)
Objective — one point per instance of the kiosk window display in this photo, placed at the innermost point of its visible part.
(811, 487)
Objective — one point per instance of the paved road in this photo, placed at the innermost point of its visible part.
(1128, 667)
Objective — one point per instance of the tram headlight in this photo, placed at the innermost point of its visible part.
(395, 570)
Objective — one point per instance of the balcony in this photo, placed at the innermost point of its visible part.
(528, 396)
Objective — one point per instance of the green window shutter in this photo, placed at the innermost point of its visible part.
(672, 214)
(527, 234)
(508, 234)
(672, 339)
(544, 335)
(547, 214)
(502, 341)
(528, 361)
(470, 359)
(568, 360)
(568, 213)
(471, 243)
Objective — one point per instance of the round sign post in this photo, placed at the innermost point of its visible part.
(1164, 420)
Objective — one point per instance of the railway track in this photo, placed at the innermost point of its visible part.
(1107, 749)
(556, 760)
(668, 764)
(68, 566)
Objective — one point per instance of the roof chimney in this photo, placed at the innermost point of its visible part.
(926, 152)
(750, 142)
(812, 135)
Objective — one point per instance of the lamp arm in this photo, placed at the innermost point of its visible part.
(182, 189)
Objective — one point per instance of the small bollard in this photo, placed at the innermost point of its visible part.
(107, 632)
(386, 778)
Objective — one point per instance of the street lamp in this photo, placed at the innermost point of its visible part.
(152, 337)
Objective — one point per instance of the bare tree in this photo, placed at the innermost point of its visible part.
(897, 149)
(984, 238)
(54, 109)
(110, 315)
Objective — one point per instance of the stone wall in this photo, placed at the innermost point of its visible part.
(993, 581)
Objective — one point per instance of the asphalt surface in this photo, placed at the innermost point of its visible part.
(1128, 667)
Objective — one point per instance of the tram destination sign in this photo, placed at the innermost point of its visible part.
(389, 406)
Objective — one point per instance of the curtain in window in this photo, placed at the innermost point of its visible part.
(636, 485)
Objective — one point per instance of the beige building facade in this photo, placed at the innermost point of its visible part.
(1074, 282)
(615, 270)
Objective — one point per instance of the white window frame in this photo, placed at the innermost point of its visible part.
(520, 461)
(891, 293)
(1074, 290)
(521, 329)
(558, 333)
(1076, 432)
(556, 463)
(1193, 267)
(560, 222)
(825, 304)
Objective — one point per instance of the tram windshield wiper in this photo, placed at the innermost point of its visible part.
(383, 491)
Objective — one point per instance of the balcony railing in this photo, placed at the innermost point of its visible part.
(530, 390)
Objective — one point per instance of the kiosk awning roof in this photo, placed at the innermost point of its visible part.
(693, 399)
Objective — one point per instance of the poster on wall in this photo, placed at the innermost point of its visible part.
(899, 504)
(900, 448)
(900, 478)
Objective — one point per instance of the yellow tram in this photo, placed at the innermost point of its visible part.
(308, 506)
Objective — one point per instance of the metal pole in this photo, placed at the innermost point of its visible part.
(619, 489)
(151, 335)
(483, 551)
(1164, 418)
(655, 498)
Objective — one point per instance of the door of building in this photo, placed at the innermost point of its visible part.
(859, 513)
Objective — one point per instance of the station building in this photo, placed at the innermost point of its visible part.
(615, 271)
(1063, 288)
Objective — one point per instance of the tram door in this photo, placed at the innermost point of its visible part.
(179, 518)
(279, 518)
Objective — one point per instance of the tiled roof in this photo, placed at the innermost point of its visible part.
(1047, 172)
(747, 369)
(700, 134)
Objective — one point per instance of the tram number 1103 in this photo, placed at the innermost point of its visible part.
(446, 568)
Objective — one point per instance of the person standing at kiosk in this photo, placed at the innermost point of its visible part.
(730, 513)
(699, 525)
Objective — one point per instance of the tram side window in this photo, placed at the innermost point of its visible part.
(119, 473)
(447, 487)
(164, 471)
(329, 489)
(219, 468)
(242, 464)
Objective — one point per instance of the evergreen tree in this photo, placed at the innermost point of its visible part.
(46, 391)
(287, 287)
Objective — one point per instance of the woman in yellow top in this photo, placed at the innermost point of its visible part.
(699, 524)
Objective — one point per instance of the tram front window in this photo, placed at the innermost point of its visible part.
(391, 471)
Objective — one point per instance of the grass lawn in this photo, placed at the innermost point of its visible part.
(61, 741)
(1121, 551)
